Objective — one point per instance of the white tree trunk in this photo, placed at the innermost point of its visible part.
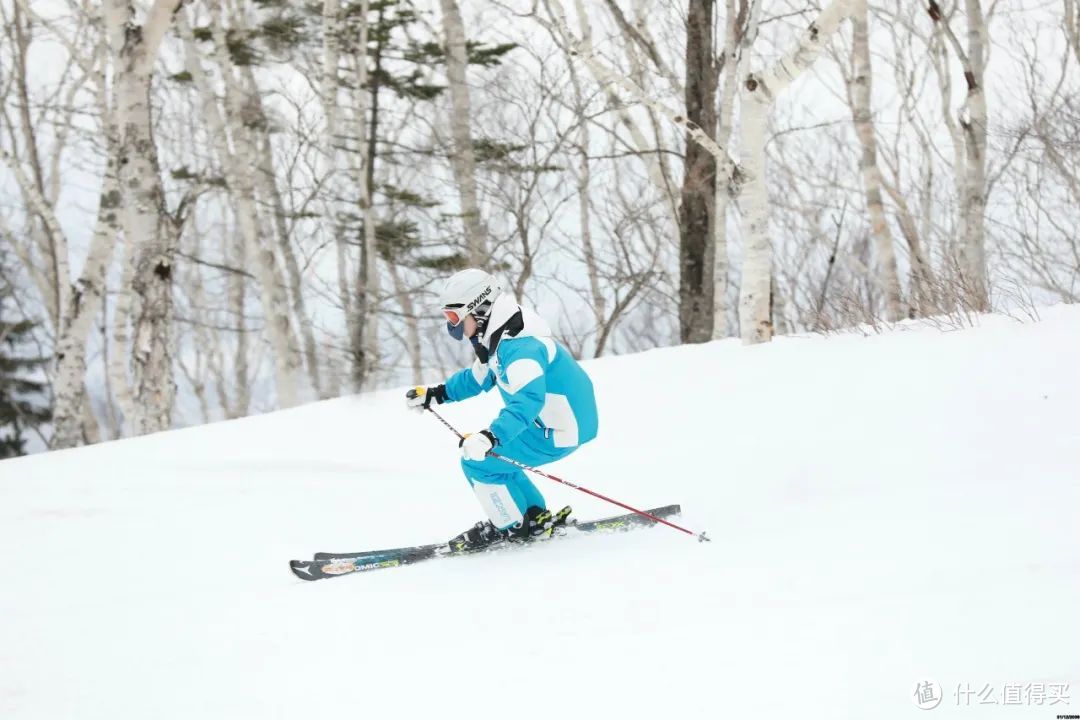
(923, 294)
(599, 304)
(759, 94)
(371, 286)
(789, 67)
(73, 420)
(333, 161)
(266, 184)
(71, 306)
(209, 339)
(974, 127)
(51, 242)
(235, 245)
(1072, 27)
(939, 57)
(862, 114)
(69, 396)
(90, 426)
(969, 143)
(755, 320)
(147, 227)
(49, 236)
(412, 324)
(328, 90)
(236, 252)
(725, 123)
(368, 287)
(238, 165)
(463, 160)
(119, 381)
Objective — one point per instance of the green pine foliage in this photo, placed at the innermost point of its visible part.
(396, 238)
(282, 29)
(24, 400)
(405, 66)
(491, 150)
(282, 32)
(444, 264)
(477, 53)
(493, 153)
(397, 60)
(487, 55)
(402, 196)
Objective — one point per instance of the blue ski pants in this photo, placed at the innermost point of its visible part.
(504, 490)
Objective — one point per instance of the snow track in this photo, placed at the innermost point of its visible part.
(884, 509)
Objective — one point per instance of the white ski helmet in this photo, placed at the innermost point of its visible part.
(468, 291)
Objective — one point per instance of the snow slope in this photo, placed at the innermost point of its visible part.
(886, 510)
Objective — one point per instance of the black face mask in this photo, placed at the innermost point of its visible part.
(456, 331)
(479, 349)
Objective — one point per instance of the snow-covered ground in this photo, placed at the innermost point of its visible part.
(886, 510)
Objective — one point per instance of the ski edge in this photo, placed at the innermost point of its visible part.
(327, 565)
(664, 511)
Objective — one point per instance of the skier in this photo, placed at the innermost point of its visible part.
(550, 408)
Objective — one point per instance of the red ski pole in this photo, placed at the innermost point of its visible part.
(700, 536)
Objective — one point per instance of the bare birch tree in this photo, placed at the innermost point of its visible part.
(365, 114)
(759, 93)
(332, 161)
(78, 299)
(598, 303)
(1071, 25)
(973, 120)
(148, 227)
(462, 159)
(730, 60)
(270, 196)
(860, 92)
(69, 398)
(239, 158)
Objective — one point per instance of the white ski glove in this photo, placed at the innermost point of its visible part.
(420, 398)
(475, 446)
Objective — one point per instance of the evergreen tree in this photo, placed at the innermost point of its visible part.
(24, 401)
(401, 62)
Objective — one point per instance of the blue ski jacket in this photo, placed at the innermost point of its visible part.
(540, 382)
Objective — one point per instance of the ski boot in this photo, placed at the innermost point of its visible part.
(538, 524)
(479, 536)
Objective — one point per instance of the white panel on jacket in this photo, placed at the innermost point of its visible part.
(479, 372)
(559, 417)
(520, 373)
(550, 346)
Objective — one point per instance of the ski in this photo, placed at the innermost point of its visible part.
(372, 553)
(326, 565)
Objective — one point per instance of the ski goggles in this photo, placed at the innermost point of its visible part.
(454, 322)
(453, 315)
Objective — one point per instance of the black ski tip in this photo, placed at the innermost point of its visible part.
(305, 569)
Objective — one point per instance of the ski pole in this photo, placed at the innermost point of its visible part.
(700, 536)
